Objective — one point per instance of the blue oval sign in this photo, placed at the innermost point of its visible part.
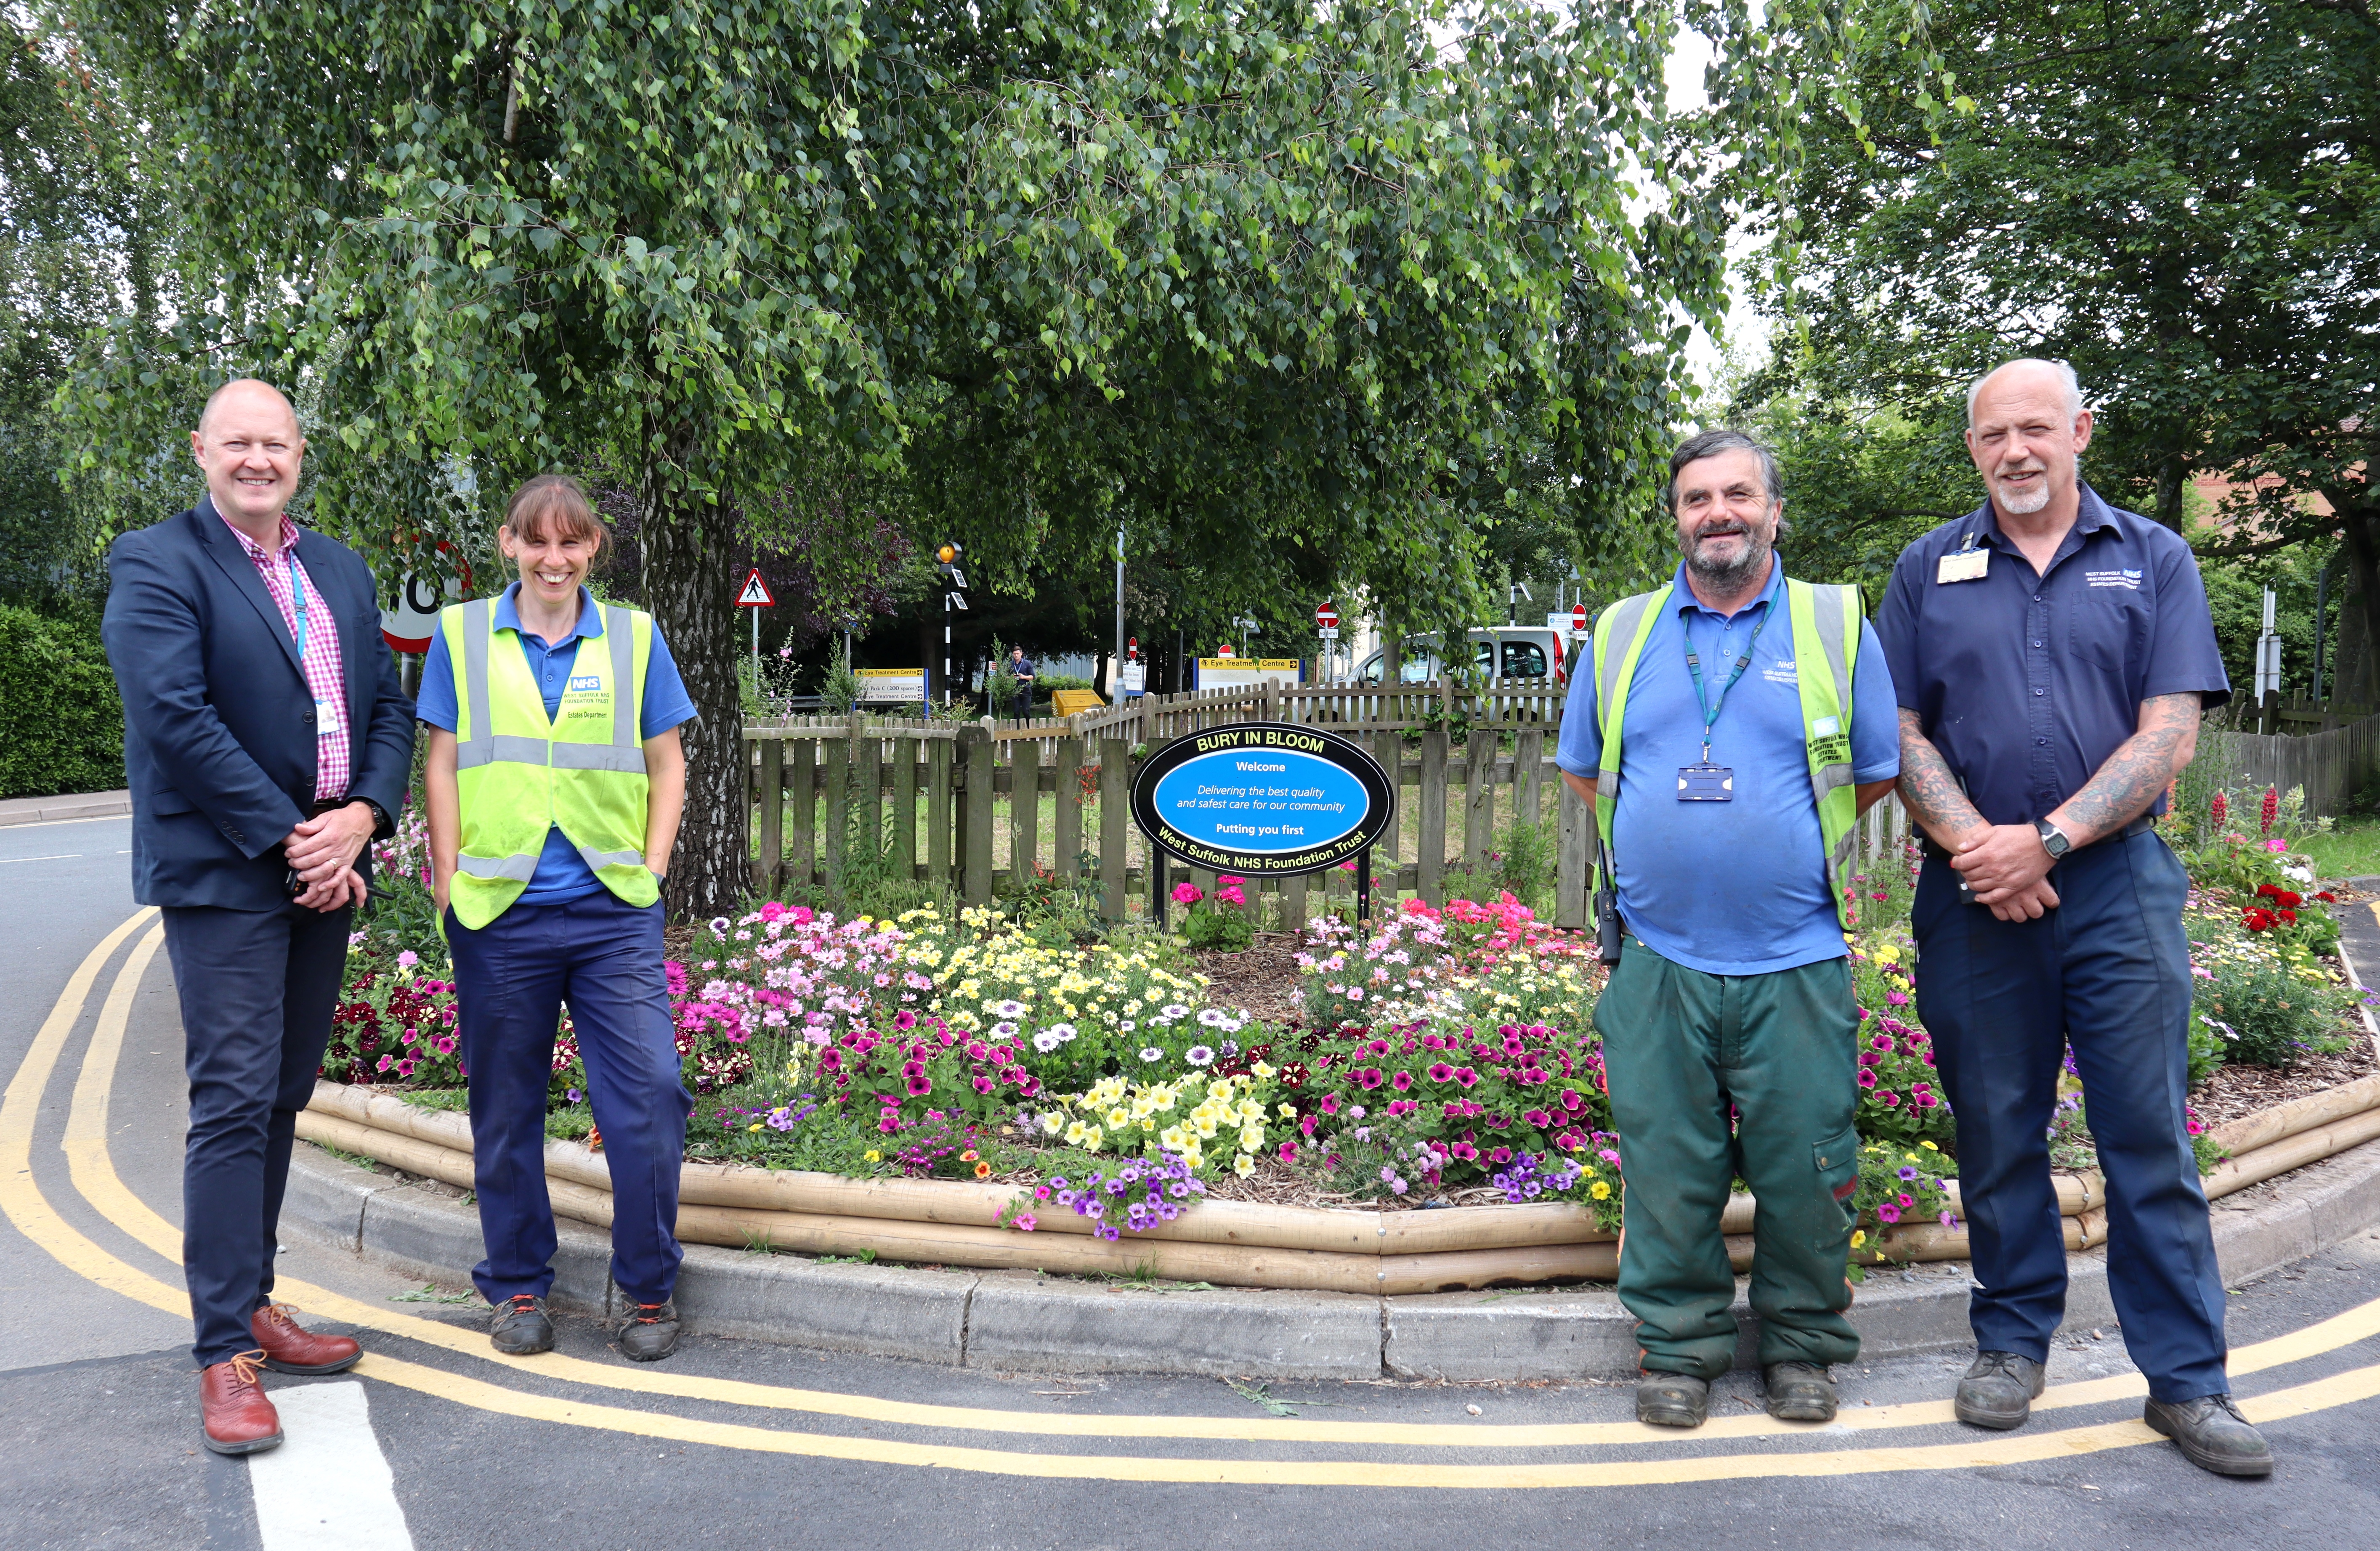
(1259, 798)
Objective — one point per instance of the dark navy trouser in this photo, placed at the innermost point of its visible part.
(603, 956)
(2108, 972)
(256, 990)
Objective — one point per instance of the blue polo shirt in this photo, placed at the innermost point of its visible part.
(2026, 682)
(561, 874)
(1735, 888)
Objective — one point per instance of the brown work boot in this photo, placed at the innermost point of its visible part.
(289, 1347)
(235, 1417)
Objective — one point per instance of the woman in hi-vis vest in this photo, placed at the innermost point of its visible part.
(554, 781)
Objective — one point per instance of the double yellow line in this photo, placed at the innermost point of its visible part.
(93, 1175)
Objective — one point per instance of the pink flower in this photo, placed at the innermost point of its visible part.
(1187, 893)
(1888, 1213)
(1866, 1078)
(1289, 1152)
(2276, 847)
(1025, 1222)
(1402, 1081)
(1440, 1072)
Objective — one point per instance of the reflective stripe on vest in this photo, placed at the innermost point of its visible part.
(587, 776)
(1825, 635)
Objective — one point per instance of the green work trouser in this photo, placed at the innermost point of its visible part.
(1680, 1047)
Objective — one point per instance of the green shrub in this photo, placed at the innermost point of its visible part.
(2268, 1010)
(61, 722)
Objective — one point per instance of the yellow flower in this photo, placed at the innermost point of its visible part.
(1243, 1166)
(1600, 1191)
(1929, 1146)
(754, 1126)
(875, 1157)
(1859, 1238)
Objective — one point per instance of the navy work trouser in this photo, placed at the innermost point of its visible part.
(2106, 972)
(256, 990)
(603, 956)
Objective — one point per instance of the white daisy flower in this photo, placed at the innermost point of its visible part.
(1062, 1033)
(1199, 1054)
(1152, 1053)
(1046, 1041)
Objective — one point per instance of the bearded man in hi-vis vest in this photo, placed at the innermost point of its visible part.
(555, 780)
(1730, 729)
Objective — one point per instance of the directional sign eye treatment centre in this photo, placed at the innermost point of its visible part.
(1262, 798)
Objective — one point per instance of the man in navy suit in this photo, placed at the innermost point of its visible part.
(266, 739)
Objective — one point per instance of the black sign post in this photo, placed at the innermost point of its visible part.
(1262, 799)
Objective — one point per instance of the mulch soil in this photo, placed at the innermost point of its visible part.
(2235, 1091)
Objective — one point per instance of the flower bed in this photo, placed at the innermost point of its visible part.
(1105, 1093)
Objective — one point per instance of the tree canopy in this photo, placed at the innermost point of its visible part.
(1307, 297)
(2180, 197)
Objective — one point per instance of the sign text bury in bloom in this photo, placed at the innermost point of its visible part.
(1262, 798)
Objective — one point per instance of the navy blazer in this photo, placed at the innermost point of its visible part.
(219, 744)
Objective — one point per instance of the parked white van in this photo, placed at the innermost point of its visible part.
(1505, 651)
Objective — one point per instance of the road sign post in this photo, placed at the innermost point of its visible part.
(756, 596)
(953, 597)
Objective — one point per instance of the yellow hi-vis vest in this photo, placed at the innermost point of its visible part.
(1826, 648)
(521, 774)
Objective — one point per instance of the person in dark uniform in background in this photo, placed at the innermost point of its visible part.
(2052, 657)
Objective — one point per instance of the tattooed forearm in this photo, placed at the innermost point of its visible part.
(1928, 789)
(2142, 766)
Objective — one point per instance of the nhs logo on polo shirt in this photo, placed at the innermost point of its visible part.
(593, 682)
(2114, 578)
(1781, 671)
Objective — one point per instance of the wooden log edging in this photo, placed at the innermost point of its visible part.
(1232, 1243)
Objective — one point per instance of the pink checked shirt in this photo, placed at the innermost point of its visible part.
(326, 673)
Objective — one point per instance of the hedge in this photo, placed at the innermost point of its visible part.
(61, 722)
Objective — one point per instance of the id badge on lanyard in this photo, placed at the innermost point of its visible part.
(1965, 564)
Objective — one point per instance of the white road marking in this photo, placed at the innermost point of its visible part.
(61, 856)
(328, 1486)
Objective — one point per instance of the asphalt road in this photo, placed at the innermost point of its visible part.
(737, 1444)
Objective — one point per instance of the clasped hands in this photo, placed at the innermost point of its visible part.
(322, 852)
(2006, 868)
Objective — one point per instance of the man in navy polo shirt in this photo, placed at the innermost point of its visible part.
(1728, 1024)
(2053, 656)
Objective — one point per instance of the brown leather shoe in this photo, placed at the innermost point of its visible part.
(290, 1348)
(235, 1416)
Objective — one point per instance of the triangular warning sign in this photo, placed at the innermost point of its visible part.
(756, 593)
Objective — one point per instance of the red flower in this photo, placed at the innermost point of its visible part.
(2258, 920)
(2289, 916)
(2269, 810)
(2220, 809)
(2327, 897)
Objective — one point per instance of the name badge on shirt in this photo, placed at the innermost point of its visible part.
(1963, 565)
(326, 719)
(1705, 783)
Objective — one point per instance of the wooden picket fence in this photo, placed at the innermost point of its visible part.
(2332, 767)
(942, 802)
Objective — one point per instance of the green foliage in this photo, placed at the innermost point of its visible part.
(2269, 1011)
(2180, 197)
(838, 685)
(61, 723)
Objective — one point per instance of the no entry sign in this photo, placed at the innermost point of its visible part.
(1327, 616)
(1263, 798)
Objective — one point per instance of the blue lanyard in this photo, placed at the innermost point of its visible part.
(1694, 667)
(298, 591)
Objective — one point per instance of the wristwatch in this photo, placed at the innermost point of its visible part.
(381, 825)
(2052, 840)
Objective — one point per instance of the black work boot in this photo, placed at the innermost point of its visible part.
(520, 1327)
(651, 1333)
(1800, 1392)
(1673, 1400)
(2212, 1435)
(1998, 1391)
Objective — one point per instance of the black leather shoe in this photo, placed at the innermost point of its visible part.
(520, 1327)
(1800, 1392)
(651, 1333)
(2212, 1435)
(1998, 1390)
(1673, 1400)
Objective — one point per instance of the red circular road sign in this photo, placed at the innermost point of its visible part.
(1327, 616)
(1578, 619)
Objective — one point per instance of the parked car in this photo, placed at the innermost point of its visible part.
(1504, 651)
